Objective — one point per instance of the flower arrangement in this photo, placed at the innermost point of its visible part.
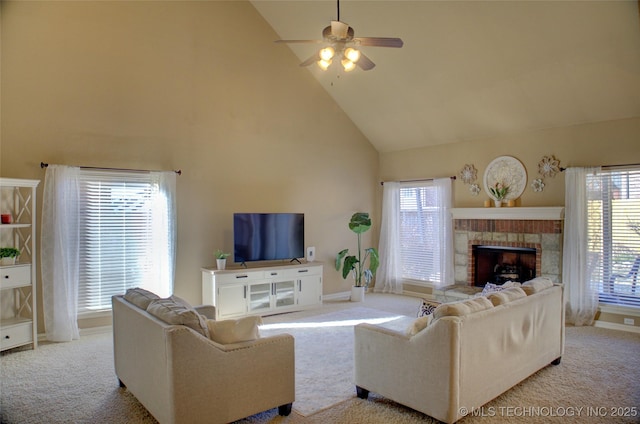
(499, 191)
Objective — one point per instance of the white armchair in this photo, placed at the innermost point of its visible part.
(181, 376)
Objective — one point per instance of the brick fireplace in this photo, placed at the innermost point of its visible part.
(536, 229)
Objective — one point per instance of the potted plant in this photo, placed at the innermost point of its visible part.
(359, 223)
(221, 258)
(8, 255)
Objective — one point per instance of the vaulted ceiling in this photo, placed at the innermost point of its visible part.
(471, 70)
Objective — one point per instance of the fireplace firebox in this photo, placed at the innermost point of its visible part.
(499, 264)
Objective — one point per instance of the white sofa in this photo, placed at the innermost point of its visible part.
(182, 376)
(469, 352)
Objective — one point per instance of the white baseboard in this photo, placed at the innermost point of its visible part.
(335, 296)
(96, 330)
(614, 326)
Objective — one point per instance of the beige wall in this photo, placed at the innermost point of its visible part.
(196, 86)
(605, 143)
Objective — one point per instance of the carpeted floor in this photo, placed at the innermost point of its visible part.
(75, 382)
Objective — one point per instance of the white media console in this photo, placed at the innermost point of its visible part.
(262, 291)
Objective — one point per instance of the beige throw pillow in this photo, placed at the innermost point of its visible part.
(140, 297)
(536, 285)
(418, 325)
(174, 313)
(234, 330)
(506, 295)
(462, 308)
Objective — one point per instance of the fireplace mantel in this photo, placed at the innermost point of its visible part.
(530, 213)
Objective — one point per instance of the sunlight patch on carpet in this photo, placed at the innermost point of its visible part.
(324, 354)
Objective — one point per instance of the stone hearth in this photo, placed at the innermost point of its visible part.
(536, 228)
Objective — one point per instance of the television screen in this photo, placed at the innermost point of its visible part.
(267, 236)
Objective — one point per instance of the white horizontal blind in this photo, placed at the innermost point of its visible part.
(614, 234)
(123, 236)
(420, 232)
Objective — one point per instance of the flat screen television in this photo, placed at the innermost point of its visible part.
(267, 236)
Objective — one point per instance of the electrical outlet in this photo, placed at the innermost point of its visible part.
(629, 321)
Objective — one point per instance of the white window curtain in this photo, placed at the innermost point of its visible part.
(443, 190)
(60, 252)
(578, 266)
(389, 275)
(416, 238)
(104, 232)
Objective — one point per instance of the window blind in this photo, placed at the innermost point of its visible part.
(420, 232)
(614, 234)
(124, 237)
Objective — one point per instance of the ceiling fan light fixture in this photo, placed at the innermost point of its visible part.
(324, 64)
(327, 53)
(352, 54)
(348, 65)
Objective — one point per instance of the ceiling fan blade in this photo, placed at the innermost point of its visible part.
(299, 41)
(379, 42)
(365, 63)
(310, 60)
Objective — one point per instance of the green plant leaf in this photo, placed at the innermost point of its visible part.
(374, 259)
(341, 254)
(349, 264)
(360, 222)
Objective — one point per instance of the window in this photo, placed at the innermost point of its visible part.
(614, 234)
(424, 232)
(125, 236)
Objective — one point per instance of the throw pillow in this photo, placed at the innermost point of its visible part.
(234, 330)
(418, 325)
(174, 313)
(492, 288)
(427, 307)
(462, 308)
(140, 297)
(536, 285)
(506, 295)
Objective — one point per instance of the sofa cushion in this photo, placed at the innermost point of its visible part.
(171, 312)
(234, 330)
(536, 285)
(462, 308)
(419, 324)
(427, 307)
(507, 295)
(140, 297)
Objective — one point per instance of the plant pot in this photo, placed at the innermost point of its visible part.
(497, 203)
(8, 261)
(357, 294)
(221, 263)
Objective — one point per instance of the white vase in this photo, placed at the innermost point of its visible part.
(357, 294)
(221, 263)
(497, 203)
(8, 261)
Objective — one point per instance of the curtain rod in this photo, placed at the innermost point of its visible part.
(177, 171)
(610, 166)
(415, 181)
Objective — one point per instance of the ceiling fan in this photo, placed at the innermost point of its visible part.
(340, 42)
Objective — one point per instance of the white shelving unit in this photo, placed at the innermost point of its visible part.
(262, 291)
(18, 314)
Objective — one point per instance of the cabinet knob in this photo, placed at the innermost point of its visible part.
(7, 337)
(6, 276)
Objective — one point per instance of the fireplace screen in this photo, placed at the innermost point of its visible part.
(498, 264)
